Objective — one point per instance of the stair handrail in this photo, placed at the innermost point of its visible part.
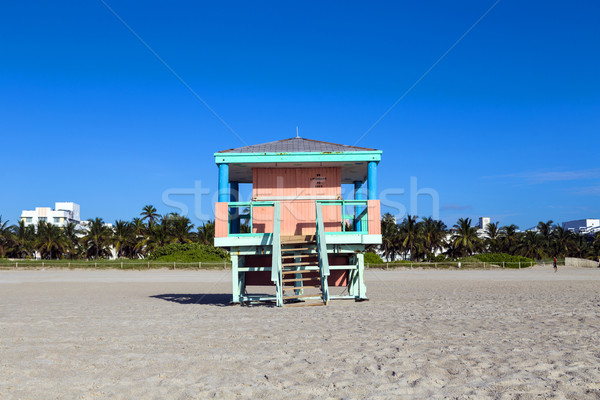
(276, 269)
(322, 252)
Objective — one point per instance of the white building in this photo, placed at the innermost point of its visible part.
(588, 225)
(484, 222)
(61, 215)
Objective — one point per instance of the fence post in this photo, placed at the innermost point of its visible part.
(199, 265)
(173, 265)
(502, 264)
(42, 264)
(519, 264)
(95, 264)
(17, 264)
(121, 264)
(484, 265)
(69, 264)
(148, 264)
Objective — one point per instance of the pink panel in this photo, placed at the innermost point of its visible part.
(221, 220)
(374, 217)
(297, 214)
(262, 220)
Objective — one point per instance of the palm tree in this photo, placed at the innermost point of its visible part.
(509, 239)
(493, 236)
(97, 239)
(24, 237)
(582, 246)
(564, 242)
(596, 245)
(545, 229)
(532, 245)
(389, 237)
(50, 241)
(122, 237)
(409, 235)
(149, 213)
(6, 237)
(433, 236)
(158, 236)
(465, 239)
(71, 238)
(180, 228)
(206, 233)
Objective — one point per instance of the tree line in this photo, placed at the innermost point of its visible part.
(432, 240)
(130, 239)
(424, 240)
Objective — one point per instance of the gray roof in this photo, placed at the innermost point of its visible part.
(295, 145)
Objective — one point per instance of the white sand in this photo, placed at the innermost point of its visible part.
(425, 334)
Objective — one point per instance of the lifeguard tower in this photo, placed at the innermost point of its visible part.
(300, 238)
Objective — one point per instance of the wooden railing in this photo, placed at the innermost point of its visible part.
(276, 269)
(322, 252)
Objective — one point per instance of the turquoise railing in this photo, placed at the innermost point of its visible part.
(245, 211)
(276, 270)
(322, 252)
(358, 219)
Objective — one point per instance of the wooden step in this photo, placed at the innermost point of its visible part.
(303, 296)
(297, 249)
(294, 264)
(297, 271)
(298, 239)
(304, 304)
(300, 255)
(315, 278)
(300, 287)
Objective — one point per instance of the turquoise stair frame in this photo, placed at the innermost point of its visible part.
(276, 268)
(322, 252)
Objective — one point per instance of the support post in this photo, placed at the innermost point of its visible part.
(223, 183)
(353, 277)
(236, 280)
(362, 289)
(234, 189)
(357, 196)
(372, 180)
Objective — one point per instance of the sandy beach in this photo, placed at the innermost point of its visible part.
(501, 334)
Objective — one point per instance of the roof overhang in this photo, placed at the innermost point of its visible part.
(353, 164)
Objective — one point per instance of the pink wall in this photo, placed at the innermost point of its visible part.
(374, 222)
(290, 186)
(221, 220)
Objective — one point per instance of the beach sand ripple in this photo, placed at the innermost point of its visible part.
(528, 334)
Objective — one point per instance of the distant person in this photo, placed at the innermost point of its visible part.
(555, 266)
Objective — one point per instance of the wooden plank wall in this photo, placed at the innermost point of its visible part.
(221, 220)
(297, 214)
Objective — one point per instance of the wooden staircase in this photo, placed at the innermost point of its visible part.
(301, 276)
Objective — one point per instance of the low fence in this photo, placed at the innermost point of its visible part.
(144, 264)
(460, 264)
(111, 264)
(581, 262)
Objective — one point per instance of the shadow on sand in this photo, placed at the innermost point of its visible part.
(213, 299)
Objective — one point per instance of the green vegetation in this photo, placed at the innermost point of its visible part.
(372, 258)
(110, 264)
(173, 238)
(501, 259)
(422, 240)
(189, 252)
(135, 240)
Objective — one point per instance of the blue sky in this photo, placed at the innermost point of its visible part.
(506, 125)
